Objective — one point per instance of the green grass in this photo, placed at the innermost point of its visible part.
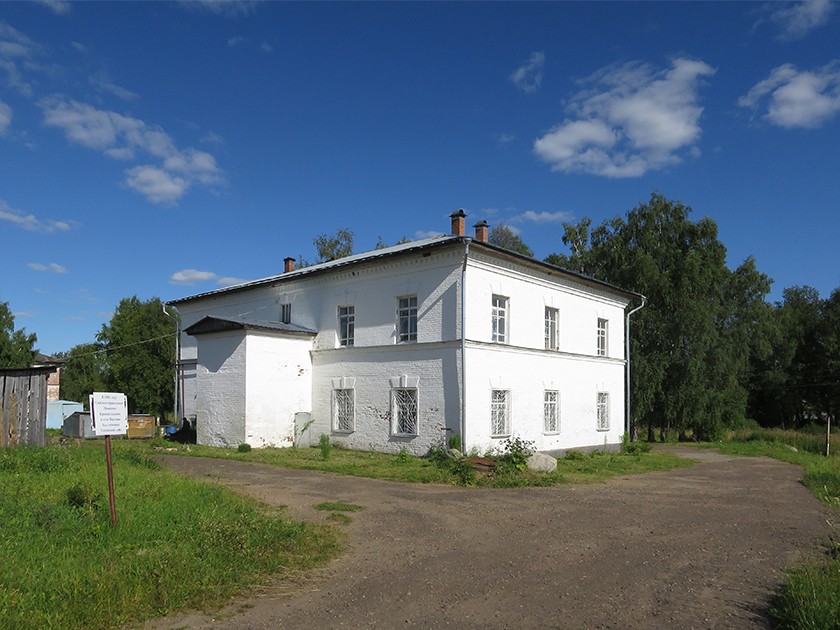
(809, 599)
(331, 506)
(178, 543)
(593, 467)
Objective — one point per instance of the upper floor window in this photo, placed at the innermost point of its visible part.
(602, 337)
(407, 319)
(499, 412)
(404, 411)
(286, 313)
(346, 325)
(500, 317)
(551, 411)
(603, 411)
(552, 316)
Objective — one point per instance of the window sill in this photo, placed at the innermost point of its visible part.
(604, 430)
(551, 432)
(343, 432)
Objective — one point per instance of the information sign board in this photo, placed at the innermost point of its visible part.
(109, 413)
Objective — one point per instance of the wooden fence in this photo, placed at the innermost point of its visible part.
(23, 406)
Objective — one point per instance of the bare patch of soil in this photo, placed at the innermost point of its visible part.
(703, 547)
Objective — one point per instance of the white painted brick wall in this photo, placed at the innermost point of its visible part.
(279, 384)
(220, 403)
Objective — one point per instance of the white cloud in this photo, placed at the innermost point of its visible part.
(234, 41)
(797, 98)
(157, 185)
(796, 20)
(16, 48)
(629, 119)
(266, 47)
(528, 76)
(59, 7)
(5, 117)
(542, 217)
(225, 8)
(194, 276)
(53, 267)
(504, 138)
(29, 221)
(121, 137)
(102, 81)
(211, 137)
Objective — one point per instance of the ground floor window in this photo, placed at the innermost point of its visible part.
(603, 411)
(343, 410)
(500, 412)
(404, 411)
(551, 411)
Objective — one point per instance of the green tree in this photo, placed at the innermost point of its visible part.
(503, 236)
(84, 372)
(17, 349)
(333, 247)
(140, 352)
(689, 372)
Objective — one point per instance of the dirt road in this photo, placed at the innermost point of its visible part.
(703, 547)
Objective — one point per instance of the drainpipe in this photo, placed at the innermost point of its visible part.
(177, 397)
(464, 347)
(627, 370)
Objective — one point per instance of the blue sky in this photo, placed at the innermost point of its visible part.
(166, 149)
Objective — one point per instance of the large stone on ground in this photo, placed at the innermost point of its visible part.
(540, 462)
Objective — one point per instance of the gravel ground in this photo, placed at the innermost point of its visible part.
(703, 547)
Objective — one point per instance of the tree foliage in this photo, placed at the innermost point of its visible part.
(690, 345)
(84, 372)
(503, 236)
(139, 344)
(17, 348)
(333, 247)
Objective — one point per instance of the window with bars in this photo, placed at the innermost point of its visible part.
(603, 411)
(286, 313)
(551, 411)
(500, 317)
(404, 412)
(552, 317)
(407, 319)
(344, 411)
(346, 325)
(500, 412)
(602, 337)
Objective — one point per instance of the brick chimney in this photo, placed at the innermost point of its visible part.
(288, 264)
(458, 222)
(482, 231)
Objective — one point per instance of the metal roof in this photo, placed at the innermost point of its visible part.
(426, 243)
(218, 323)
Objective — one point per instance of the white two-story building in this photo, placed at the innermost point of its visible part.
(404, 346)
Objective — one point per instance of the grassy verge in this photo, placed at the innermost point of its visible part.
(178, 543)
(592, 467)
(810, 599)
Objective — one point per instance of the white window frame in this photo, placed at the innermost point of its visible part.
(500, 413)
(552, 328)
(397, 417)
(551, 411)
(406, 316)
(603, 337)
(286, 313)
(602, 411)
(347, 325)
(501, 320)
(342, 399)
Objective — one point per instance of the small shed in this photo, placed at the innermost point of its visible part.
(78, 425)
(59, 410)
(23, 405)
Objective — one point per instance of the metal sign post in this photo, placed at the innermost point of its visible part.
(109, 416)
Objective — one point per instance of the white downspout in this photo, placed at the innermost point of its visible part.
(627, 355)
(464, 348)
